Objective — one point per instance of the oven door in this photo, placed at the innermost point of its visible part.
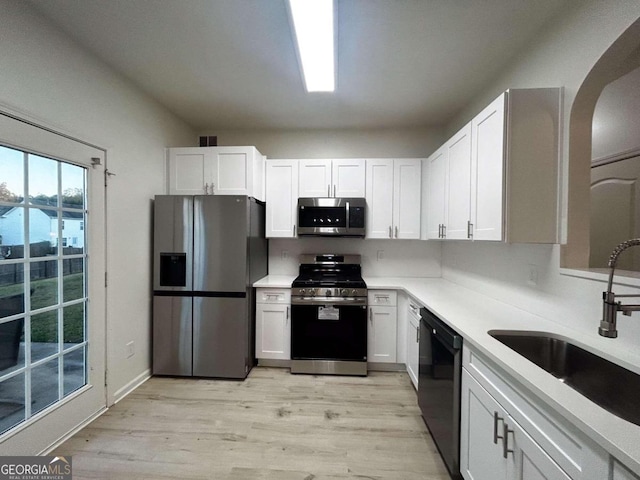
(329, 332)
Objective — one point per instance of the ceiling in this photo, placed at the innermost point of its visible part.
(232, 64)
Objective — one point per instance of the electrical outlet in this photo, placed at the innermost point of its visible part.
(284, 254)
(532, 278)
(130, 349)
(380, 255)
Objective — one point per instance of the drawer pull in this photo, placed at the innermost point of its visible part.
(496, 419)
(505, 440)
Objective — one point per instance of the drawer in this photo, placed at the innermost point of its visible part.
(414, 309)
(273, 295)
(387, 298)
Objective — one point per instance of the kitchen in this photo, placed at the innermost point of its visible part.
(135, 130)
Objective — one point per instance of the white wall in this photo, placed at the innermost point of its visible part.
(375, 143)
(399, 258)
(564, 56)
(49, 79)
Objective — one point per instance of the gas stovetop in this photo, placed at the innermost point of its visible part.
(329, 276)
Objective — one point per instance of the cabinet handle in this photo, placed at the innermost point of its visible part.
(496, 419)
(444, 231)
(469, 229)
(417, 334)
(371, 316)
(287, 315)
(334, 191)
(206, 189)
(328, 190)
(505, 440)
(439, 230)
(396, 232)
(390, 232)
(294, 230)
(213, 188)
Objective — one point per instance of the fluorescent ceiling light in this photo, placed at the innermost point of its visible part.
(313, 26)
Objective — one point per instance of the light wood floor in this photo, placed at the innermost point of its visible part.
(272, 426)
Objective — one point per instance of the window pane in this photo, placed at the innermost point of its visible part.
(73, 324)
(11, 402)
(11, 232)
(44, 335)
(44, 386)
(73, 233)
(12, 168)
(43, 232)
(73, 191)
(73, 279)
(11, 289)
(11, 346)
(44, 284)
(74, 373)
(43, 181)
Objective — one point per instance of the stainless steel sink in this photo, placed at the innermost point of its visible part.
(611, 386)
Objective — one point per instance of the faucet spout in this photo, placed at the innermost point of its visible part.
(611, 307)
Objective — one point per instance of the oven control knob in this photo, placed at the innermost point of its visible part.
(302, 291)
(344, 292)
(353, 292)
(328, 293)
(312, 291)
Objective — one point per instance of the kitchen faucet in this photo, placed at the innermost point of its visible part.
(610, 307)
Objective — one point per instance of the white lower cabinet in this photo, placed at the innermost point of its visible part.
(507, 434)
(413, 341)
(620, 472)
(494, 446)
(382, 327)
(273, 324)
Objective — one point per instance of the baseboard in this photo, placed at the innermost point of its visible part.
(131, 386)
(267, 362)
(72, 432)
(386, 367)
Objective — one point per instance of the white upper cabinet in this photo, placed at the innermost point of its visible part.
(282, 197)
(435, 192)
(332, 178)
(458, 186)
(393, 198)
(379, 198)
(315, 178)
(348, 178)
(216, 171)
(514, 167)
(406, 198)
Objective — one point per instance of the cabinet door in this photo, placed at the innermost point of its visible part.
(381, 337)
(282, 198)
(190, 171)
(348, 178)
(233, 170)
(487, 171)
(406, 198)
(413, 350)
(273, 331)
(315, 178)
(437, 165)
(379, 195)
(458, 189)
(481, 428)
(528, 461)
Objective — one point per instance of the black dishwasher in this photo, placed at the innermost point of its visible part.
(439, 386)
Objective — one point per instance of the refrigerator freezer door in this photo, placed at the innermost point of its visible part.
(220, 337)
(220, 243)
(173, 243)
(172, 335)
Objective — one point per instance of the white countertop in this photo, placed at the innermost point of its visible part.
(472, 315)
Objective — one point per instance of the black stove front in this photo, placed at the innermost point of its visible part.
(329, 316)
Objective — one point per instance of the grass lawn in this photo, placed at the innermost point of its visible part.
(44, 293)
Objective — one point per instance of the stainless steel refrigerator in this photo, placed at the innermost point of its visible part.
(208, 251)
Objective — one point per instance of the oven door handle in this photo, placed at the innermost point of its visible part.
(330, 301)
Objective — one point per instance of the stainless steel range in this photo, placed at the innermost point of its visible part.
(329, 316)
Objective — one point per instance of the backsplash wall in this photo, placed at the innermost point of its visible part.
(400, 258)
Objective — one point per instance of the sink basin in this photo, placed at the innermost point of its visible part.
(611, 386)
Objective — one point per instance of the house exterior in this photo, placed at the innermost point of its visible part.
(43, 226)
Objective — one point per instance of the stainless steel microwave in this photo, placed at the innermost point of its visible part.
(337, 217)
